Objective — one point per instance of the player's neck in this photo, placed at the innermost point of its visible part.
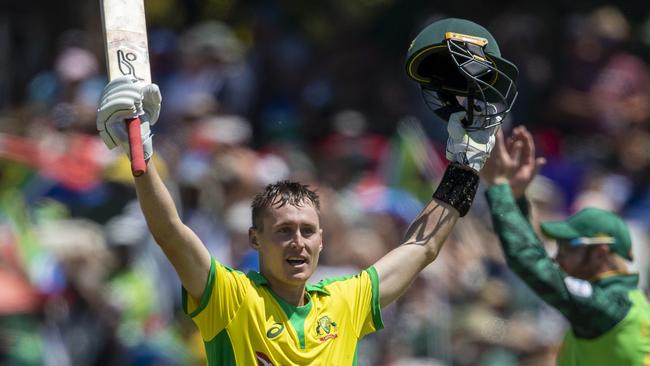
(294, 295)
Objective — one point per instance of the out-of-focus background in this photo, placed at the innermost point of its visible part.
(257, 91)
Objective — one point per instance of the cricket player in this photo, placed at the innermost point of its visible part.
(274, 316)
(588, 282)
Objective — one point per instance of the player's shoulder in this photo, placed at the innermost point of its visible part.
(224, 267)
(336, 284)
(225, 271)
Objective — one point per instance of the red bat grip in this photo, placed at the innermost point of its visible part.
(138, 165)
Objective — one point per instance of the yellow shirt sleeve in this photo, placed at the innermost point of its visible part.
(223, 295)
(361, 293)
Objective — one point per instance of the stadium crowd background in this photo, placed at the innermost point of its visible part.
(256, 91)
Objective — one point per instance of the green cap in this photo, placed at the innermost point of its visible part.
(430, 42)
(592, 226)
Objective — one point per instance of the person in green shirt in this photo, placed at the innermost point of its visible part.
(587, 281)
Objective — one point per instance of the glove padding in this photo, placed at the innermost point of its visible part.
(470, 147)
(125, 98)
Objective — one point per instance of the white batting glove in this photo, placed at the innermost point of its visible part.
(125, 98)
(470, 148)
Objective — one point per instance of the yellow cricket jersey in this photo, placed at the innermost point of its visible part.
(243, 322)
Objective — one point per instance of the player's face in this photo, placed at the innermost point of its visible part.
(289, 244)
(574, 260)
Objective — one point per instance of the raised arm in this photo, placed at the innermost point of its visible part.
(180, 244)
(508, 173)
(467, 152)
(421, 245)
(123, 99)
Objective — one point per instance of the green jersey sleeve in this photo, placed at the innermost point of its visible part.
(590, 310)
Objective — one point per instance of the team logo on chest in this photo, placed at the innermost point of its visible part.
(274, 330)
(326, 328)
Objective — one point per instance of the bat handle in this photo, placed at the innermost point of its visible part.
(138, 165)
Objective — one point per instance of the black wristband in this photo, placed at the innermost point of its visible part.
(458, 187)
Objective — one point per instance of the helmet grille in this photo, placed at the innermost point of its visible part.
(451, 68)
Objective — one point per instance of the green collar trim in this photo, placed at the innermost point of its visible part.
(259, 279)
(296, 316)
(628, 281)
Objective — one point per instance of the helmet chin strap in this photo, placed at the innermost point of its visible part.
(469, 115)
(477, 108)
(444, 103)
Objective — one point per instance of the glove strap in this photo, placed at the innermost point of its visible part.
(458, 187)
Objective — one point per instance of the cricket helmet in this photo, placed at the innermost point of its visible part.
(458, 65)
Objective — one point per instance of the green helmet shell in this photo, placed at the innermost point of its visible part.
(433, 62)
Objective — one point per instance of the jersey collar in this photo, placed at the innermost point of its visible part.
(626, 280)
(258, 279)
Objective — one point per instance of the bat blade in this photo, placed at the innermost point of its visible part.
(125, 39)
(127, 54)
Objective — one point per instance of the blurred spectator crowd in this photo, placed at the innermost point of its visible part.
(255, 92)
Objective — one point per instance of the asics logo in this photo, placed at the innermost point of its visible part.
(275, 330)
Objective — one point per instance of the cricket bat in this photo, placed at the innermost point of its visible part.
(127, 54)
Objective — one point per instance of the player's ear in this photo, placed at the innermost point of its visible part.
(252, 238)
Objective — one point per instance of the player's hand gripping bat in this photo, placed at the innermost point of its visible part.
(127, 54)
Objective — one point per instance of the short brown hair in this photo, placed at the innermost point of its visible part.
(280, 194)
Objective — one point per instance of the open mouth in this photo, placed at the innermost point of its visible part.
(296, 261)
